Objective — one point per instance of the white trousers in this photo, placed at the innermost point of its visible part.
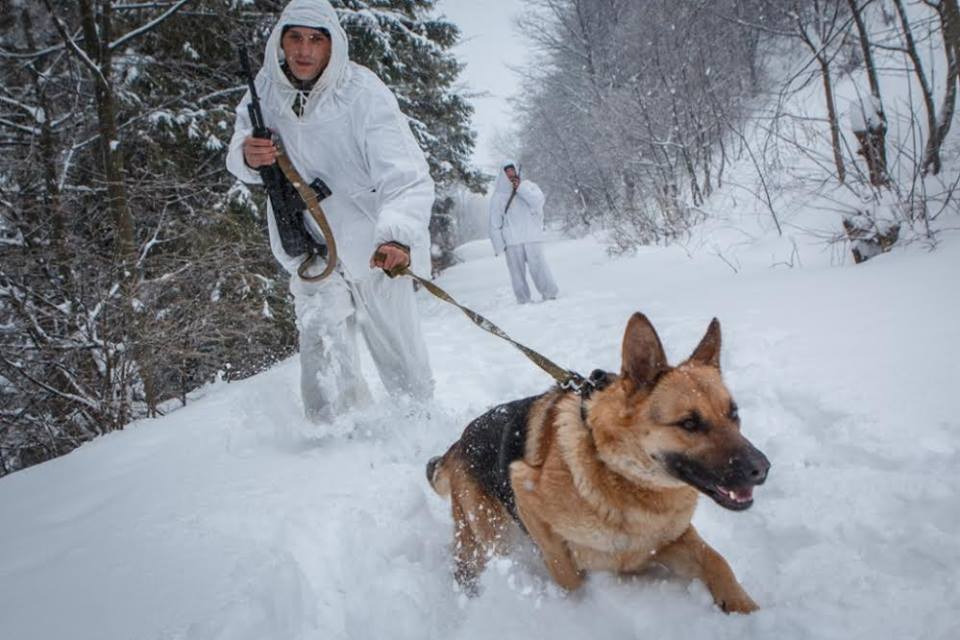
(328, 316)
(520, 257)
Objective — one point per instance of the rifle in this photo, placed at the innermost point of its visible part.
(285, 198)
(513, 194)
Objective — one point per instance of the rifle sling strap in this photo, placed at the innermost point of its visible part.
(513, 194)
(316, 211)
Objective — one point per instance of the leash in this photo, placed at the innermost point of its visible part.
(566, 379)
(316, 211)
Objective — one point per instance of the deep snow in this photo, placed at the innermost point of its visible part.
(233, 518)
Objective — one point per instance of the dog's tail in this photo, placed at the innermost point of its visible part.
(437, 476)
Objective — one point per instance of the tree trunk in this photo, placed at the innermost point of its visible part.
(832, 118)
(931, 155)
(950, 30)
(950, 15)
(865, 48)
(872, 140)
(97, 35)
(48, 151)
(823, 33)
(97, 44)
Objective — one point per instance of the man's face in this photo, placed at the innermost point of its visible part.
(307, 51)
(511, 174)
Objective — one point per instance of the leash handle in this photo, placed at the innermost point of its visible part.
(379, 257)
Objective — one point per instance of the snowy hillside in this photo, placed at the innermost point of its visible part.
(234, 519)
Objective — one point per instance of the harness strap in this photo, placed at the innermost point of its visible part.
(316, 211)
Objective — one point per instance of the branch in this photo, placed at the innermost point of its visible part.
(80, 53)
(142, 5)
(755, 26)
(67, 396)
(33, 54)
(225, 92)
(147, 27)
(35, 112)
(19, 127)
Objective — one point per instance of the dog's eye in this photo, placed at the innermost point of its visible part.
(691, 423)
(734, 412)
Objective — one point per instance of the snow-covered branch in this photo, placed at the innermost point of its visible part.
(72, 45)
(127, 37)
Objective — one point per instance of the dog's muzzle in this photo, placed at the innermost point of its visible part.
(729, 484)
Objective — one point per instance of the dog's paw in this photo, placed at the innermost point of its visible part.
(739, 603)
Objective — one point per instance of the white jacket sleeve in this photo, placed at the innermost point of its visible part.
(241, 129)
(399, 172)
(533, 197)
(496, 224)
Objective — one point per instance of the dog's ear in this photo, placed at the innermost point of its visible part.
(708, 351)
(643, 356)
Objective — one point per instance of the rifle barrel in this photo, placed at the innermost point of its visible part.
(256, 115)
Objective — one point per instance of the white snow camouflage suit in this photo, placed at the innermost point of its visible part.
(353, 135)
(518, 231)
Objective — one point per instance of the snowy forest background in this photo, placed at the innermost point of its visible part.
(134, 269)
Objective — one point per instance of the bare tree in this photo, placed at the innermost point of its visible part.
(872, 134)
(624, 117)
(931, 160)
(949, 16)
(821, 25)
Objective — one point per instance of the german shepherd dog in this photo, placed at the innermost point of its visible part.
(607, 481)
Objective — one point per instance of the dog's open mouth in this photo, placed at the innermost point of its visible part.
(734, 493)
(736, 499)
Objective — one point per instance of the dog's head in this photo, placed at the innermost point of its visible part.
(669, 426)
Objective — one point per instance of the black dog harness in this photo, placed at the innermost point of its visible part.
(599, 379)
(498, 437)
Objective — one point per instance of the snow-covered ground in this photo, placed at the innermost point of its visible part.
(233, 518)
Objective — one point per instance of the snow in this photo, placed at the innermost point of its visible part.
(233, 518)
(865, 114)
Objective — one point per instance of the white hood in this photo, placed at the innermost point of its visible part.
(501, 184)
(317, 14)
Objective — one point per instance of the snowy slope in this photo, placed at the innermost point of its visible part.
(234, 519)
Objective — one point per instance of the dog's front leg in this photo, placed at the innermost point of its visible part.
(690, 557)
(555, 552)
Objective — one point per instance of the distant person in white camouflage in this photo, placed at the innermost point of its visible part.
(516, 228)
